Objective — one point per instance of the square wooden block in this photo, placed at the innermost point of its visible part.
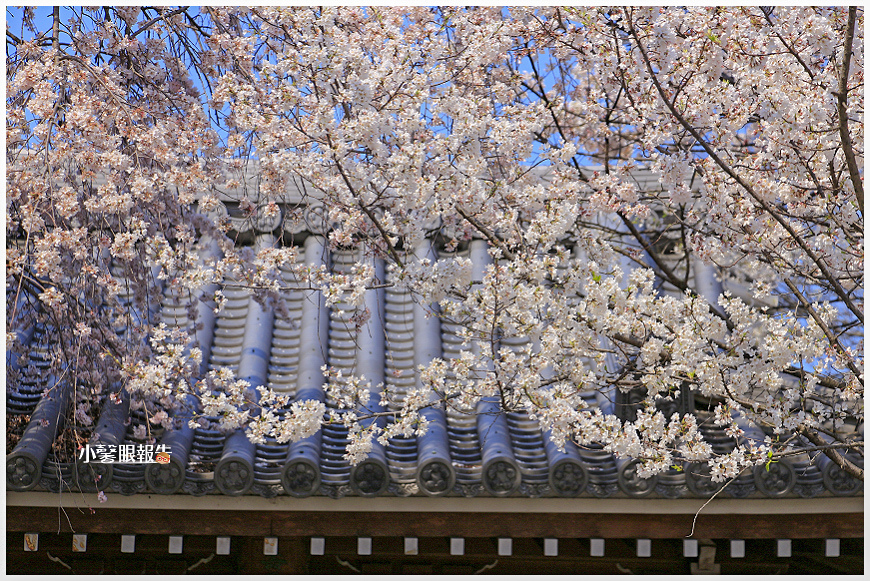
(31, 542)
(80, 543)
(270, 546)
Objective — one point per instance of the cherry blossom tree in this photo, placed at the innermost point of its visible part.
(735, 274)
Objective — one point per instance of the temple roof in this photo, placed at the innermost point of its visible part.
(488, 453)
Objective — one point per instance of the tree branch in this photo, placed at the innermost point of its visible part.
(370, 214)
(486, 233)
(150, 23)
(831, 339)
(842, 115)
(799, 240)
(832, 453)
(787, 45)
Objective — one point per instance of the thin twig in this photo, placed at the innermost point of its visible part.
(709, 500)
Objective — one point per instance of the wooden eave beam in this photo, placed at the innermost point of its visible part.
(435, 524)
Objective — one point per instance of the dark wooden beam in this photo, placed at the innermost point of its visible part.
(441, 524)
